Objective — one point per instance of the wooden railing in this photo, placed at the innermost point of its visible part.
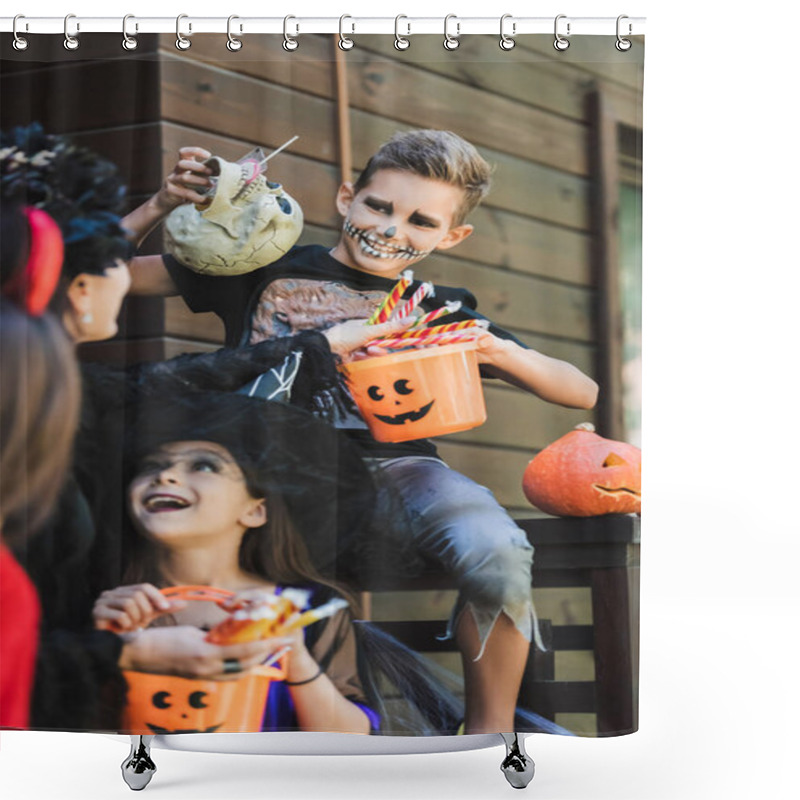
(598, 553)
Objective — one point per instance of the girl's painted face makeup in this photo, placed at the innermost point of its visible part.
(190, 489)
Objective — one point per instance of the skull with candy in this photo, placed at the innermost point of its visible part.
(249, 223)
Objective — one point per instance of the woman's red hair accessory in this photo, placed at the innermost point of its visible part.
(33, 286)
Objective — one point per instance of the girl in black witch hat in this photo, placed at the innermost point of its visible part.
(217, 486)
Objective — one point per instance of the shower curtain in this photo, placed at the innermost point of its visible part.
(540, 287)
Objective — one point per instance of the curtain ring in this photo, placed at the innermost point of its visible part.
(507, 42)
(345, 43)
(233, 44)
(129, 42)
(560, 42)
(451, 42)
(70, 42)
(181, 42)
(400, 42)
(290, 43)
(623, 45)
(20, 43)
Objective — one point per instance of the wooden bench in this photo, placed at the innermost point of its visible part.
(597, 553)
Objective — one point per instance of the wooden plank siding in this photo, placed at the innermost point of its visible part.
(65, 96)
(237, 107)
(594, 55)
(408, 93)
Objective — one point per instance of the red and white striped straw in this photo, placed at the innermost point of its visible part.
(437, 339)
(384, 310)
(437, 313)
(449, 327)
(425, 290)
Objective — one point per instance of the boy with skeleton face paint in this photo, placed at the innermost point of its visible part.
(411, 200)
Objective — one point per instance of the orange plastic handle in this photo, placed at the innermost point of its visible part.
(209, 593)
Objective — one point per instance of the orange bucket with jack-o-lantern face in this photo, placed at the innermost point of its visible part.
(160, 704)
(419, 393)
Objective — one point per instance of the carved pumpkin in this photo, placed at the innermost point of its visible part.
(415, 394)
(583, 475)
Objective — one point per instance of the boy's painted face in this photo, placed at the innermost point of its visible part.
(397, 220)
(189, 491)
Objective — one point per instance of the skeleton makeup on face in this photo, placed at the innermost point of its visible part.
(378, 247)
(397, 219)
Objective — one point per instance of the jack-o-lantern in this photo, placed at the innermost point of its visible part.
(583, 475)
(415, 394)
(396, 403)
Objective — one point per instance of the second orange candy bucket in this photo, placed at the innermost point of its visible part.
(172, 704)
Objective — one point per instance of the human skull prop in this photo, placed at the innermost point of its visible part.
(250, 222)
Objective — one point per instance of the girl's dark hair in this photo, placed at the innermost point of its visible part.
(83, 193)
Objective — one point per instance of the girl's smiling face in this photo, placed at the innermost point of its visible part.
(187, 492)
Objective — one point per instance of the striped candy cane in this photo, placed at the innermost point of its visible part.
(431, 316)
(425, 290)
(438, 339)
(384, 310)
(449, 327)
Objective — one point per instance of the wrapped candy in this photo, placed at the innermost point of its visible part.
(278, 615)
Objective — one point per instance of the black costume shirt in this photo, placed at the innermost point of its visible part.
(308, 289)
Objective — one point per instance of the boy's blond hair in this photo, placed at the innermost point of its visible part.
(442, 155)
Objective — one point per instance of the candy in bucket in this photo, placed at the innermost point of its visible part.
(428, 383)
(159, 704)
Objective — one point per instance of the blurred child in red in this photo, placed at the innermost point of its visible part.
(39, 401)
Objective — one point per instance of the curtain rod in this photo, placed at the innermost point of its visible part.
(297, 25)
